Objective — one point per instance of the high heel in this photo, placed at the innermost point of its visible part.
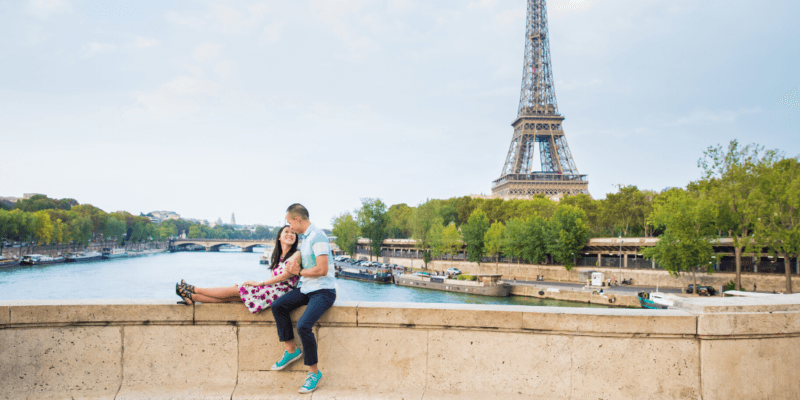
(186, 296)
(186, 286)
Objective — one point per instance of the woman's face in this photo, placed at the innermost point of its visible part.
(287, 237)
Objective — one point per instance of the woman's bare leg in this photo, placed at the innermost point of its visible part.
(217, 294)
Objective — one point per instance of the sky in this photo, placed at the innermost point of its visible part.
(209, 108)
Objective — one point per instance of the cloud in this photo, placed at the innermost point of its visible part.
(178, 97)
(271, 33)
(725, 116)
(482, 4)
(336, 14)
(207, 51)
(143, 42)
(95, 47)
(223, 18)
(45, 8)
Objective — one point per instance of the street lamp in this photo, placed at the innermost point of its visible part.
(620, 258)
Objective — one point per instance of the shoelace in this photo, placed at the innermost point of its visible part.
(311, 380)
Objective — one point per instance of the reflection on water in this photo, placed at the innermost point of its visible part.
(154, 277)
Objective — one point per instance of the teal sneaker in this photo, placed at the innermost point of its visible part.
(287, 359)
(312, 382)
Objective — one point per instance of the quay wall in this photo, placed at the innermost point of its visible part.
(719, 348)
(54, 250)
(641, 277)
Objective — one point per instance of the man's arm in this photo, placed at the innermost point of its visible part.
(293, 266)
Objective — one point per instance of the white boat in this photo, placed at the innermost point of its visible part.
(656, 300)
(84, 256)
(38, 259)
(114, 253)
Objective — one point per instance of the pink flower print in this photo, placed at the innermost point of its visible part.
(274, 297)
(259, 308)
(252, 304)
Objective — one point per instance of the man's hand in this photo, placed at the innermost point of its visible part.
(251, 283)
(293, 266)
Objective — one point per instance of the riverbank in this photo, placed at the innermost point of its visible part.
(62, 249)
(641, 277)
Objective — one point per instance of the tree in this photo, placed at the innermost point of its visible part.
(97, 216)
(80, 229)
(570, 232)
(451, 240)
(436, 238)
(262, 232)
(426, 216)
(732, 179)
(535, 242)
(513, 242)
(60, 232)
(196, 232)
(474, 231)
(115, 228)
(400, 216)
(346, 230)
(43, 230)
(688, 223)
(373, 221)
(777, 223)
(493, 240)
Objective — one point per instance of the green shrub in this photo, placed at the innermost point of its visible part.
(731, 286)
(463, 277)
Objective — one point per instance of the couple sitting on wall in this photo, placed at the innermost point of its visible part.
(312, 266)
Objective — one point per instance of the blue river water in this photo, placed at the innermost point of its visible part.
(154, 277)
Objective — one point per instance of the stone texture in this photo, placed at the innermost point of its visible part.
(436, 395)
(616, 321)
(145, 312)
(498, 362)
(440, 315)
(783, 302)
(356, 358)
(728, 324)
(179, 362)
(5, 315)
(751, 369)
(79, 362)
(635, 368)
(342, 314)
(269, 384)
(328, 393)
(260, 348)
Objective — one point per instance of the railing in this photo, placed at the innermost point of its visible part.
(541, 177)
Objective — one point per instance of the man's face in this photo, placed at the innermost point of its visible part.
(294, 223)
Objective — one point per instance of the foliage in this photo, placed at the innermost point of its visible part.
(474, 232)
(493, 239)
(464, 277)
(373, 220)
(41, 202)
(400, 216)
(571, 233)
(451, 240)
(347, 232)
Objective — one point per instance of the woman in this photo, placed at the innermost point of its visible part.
(256, 296)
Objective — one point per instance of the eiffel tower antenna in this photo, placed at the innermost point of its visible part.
(538, 125)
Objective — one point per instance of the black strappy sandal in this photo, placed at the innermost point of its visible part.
(185, 295)
(186, 286)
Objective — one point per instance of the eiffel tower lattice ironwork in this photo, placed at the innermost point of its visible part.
(538, 124)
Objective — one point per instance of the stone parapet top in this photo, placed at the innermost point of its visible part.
(710, 305)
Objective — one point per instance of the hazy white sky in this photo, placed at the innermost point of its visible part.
(209, 108)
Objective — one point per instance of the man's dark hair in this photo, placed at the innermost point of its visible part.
(298, 210)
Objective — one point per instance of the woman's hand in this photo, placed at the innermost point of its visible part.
(251, 283)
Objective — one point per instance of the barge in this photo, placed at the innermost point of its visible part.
(486, 285)
(38, 259)
(113, 253)
(379, 275)
(6, 262)
(84, 256)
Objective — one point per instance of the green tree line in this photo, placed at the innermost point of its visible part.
(745, 193)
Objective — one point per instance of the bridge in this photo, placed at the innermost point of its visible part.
(215, 244)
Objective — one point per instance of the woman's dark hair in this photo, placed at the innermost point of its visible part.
(278, 250)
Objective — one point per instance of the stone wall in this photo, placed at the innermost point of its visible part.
(641, 277)
(729, 348)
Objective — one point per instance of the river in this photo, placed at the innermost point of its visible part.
(154, 277)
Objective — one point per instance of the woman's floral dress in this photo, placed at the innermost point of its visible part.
(258, 298)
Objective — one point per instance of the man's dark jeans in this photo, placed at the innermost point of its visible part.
(318, 302)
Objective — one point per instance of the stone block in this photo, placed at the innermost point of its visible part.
(5, 315)
(356, 358)
(78, 362)
(709, 305)
(498, 362)
(220, 313)
(272, 384)
(634, 368)
(99, 311)
(440, 315)
(179, 362)
(616, 321)
(751, 369)
(260, 348)
(436, 395)
(727, 324)
(334, 393)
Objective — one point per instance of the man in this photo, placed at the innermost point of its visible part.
(317, 290)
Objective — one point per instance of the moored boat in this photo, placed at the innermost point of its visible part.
(656, 300)
(380, 275)
(113, 253)
(486, 285)
(38, 259)
(84, 256)
(6, 262)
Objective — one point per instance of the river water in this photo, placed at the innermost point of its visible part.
(154, 277)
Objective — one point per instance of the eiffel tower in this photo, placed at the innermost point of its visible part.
(538, 124)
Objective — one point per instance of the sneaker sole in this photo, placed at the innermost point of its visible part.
(275, 367)
(303, 391)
